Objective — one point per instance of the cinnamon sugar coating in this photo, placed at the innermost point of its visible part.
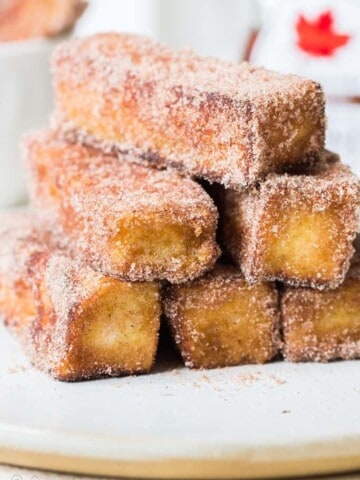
(323, 326)
(126, 220)
(221, 320)
(296, 228)
(24, 19)
(73, 322)
(224, 122)
(19, 244)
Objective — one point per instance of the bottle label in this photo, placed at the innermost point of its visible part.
(318, 39)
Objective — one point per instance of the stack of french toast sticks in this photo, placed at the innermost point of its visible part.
(153, 158)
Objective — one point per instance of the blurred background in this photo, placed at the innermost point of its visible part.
(315, 38)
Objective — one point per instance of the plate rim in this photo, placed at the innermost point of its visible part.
(305, 459)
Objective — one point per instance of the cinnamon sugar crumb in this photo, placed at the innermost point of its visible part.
(17, 369)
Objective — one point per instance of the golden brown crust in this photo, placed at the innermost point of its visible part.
(77, 336)
(224, 122)
(220, 320)
(125, 219)
(322, 326)
(73, 322)
(24, 19)
(19, 244)
(296, 228)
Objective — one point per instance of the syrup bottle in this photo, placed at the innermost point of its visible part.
(318, 39)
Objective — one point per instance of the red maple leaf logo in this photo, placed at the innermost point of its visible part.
(318, 37)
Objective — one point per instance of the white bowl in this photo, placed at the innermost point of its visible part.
(25, 103)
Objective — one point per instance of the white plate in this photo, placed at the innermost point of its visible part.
(272, 420)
